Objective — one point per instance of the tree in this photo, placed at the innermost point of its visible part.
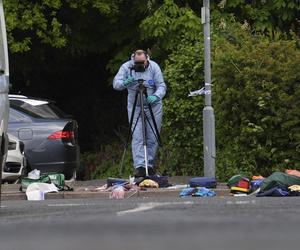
(255, 95)
(70, 64)
(28, 21)
(263, 16)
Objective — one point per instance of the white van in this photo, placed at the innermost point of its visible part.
(4, 87)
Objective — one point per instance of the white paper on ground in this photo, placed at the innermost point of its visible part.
(34, 174)
(36, 191)
(35, 195)
(178, 186)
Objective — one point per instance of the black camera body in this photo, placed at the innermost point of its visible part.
(138, 66)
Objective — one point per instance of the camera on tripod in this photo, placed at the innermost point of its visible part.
(138, 66)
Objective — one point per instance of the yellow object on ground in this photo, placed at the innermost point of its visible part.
(294, 188)
(238, 189)
(149, 183)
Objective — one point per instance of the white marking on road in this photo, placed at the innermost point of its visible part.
(151, 205)
(69, 205)
(240, 202)
(2, 206)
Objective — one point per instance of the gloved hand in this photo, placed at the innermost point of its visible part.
(151, 99)
(129, 81)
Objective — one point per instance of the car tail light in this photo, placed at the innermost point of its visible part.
(62, 135)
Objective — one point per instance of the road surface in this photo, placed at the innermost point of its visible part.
(240, 223)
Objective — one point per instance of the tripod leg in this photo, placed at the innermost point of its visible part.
(144, 129)
(130, 132)
(154, 123)
(152, 129)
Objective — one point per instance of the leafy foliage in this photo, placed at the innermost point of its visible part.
(169, 24)
(183, 114)
(105, 162)
(80, 44)
(27, 19)
(265, 15)
(257, 102)
(30, 21)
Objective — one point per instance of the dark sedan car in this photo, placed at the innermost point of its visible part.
(49, 135)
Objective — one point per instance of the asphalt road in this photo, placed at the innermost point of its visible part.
(164, 223)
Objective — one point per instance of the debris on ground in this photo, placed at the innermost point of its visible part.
(278, 184)
(37, 191)
(148, 183)
(118, 192)
(197, 192)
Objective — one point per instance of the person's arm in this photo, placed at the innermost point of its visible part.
(161, 87)
(121, 76)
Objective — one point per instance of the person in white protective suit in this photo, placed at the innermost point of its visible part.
(126, 78)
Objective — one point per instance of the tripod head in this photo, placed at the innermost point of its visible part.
(141, 84)
(140, 81)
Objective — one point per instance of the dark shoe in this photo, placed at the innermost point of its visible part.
(140, 172)
(151, 171)
(138, 180)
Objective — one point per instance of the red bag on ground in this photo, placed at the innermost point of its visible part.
(243, 183)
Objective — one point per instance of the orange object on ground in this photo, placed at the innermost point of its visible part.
(293, 172)
(257, 177)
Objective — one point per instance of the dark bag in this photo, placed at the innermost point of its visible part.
(162, 181)
(208, 182)
(116, 182)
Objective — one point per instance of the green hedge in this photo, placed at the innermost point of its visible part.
(256, 96)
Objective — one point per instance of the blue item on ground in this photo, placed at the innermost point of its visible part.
(204, 192)
(187, 192)
(277, 191)
(197, 192)
(256, 184)
(208, 182)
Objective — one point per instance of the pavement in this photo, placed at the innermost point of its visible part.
(88, 189)
(219, 223)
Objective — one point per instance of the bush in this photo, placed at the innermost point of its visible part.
(182, 122)
(106, 162)
(256, 99)
(257, 103)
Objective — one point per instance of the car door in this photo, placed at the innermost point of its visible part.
(4, 74)
(4, 87)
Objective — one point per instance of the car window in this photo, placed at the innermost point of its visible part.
(16, 117)
(38, 109)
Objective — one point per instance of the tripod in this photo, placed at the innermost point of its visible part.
(141, 92)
